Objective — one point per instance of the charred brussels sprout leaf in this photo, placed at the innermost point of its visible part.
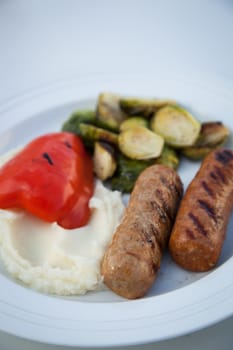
(108, 111)
(127, 173)
(143, 107)
(168, 157)
(104, 160)
(212, 135)
(90, 134)
(139, 142)
(176, 125)
(79, 116)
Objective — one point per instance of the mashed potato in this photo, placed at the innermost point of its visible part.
(54, 260)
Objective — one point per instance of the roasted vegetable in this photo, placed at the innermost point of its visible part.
(127, 173)
(128, 169)
(139, 142)
(168, 157)
(134, 121)
(108, 112)
(212, 135)
(143, 107)
(176, 125)
(51, 178)
(91, 133)
(104, 160)
(79, 116)
(125, 135)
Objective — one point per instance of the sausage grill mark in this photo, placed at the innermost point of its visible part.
(154, 232)
(151, 235)
(208, 209)
(207, 189)
(154, 265)
(164, 203)
(224, 157)
(137, 256)
(164, 181)
(198, 224)
(161, 212)
(228, 153)
(160, 209)
(168, 185)
(190, 233)
(218, 175)
(171, 187)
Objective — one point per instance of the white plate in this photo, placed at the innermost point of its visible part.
(180, 302)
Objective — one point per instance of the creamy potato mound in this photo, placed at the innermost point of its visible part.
(54, 260)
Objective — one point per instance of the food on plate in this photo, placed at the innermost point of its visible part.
(200, 227)
(109, 115)
(91, 133)
(177, 126)
(51, 259)
(168, 157)
(127, 172)
(141, 106)
(139, 128)
(212, 135)
(132, 260)
(52, 178)
(128, 169)
(36, 184)
(133, 121)
(62, 231)
(139, 142)
(78, 117)
(104, 160)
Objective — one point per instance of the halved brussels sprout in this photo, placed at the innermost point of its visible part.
(139, 142)
(108, 111)
(134, 121)
(143, 107)
(176, 125)
(212, 135)
(104, 160)
(168, 157)
(91, 133)
(80, 116)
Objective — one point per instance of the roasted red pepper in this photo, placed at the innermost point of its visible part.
(52, 178)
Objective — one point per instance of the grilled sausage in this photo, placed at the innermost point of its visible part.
(132, 260)
(199, 231)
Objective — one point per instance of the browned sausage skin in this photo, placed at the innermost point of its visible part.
(200, 227)
(132, 260)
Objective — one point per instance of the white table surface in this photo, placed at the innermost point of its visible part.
(44, 41)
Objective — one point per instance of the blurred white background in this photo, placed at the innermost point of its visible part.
(42, 41)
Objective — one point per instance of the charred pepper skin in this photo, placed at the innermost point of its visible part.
(51, 178)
